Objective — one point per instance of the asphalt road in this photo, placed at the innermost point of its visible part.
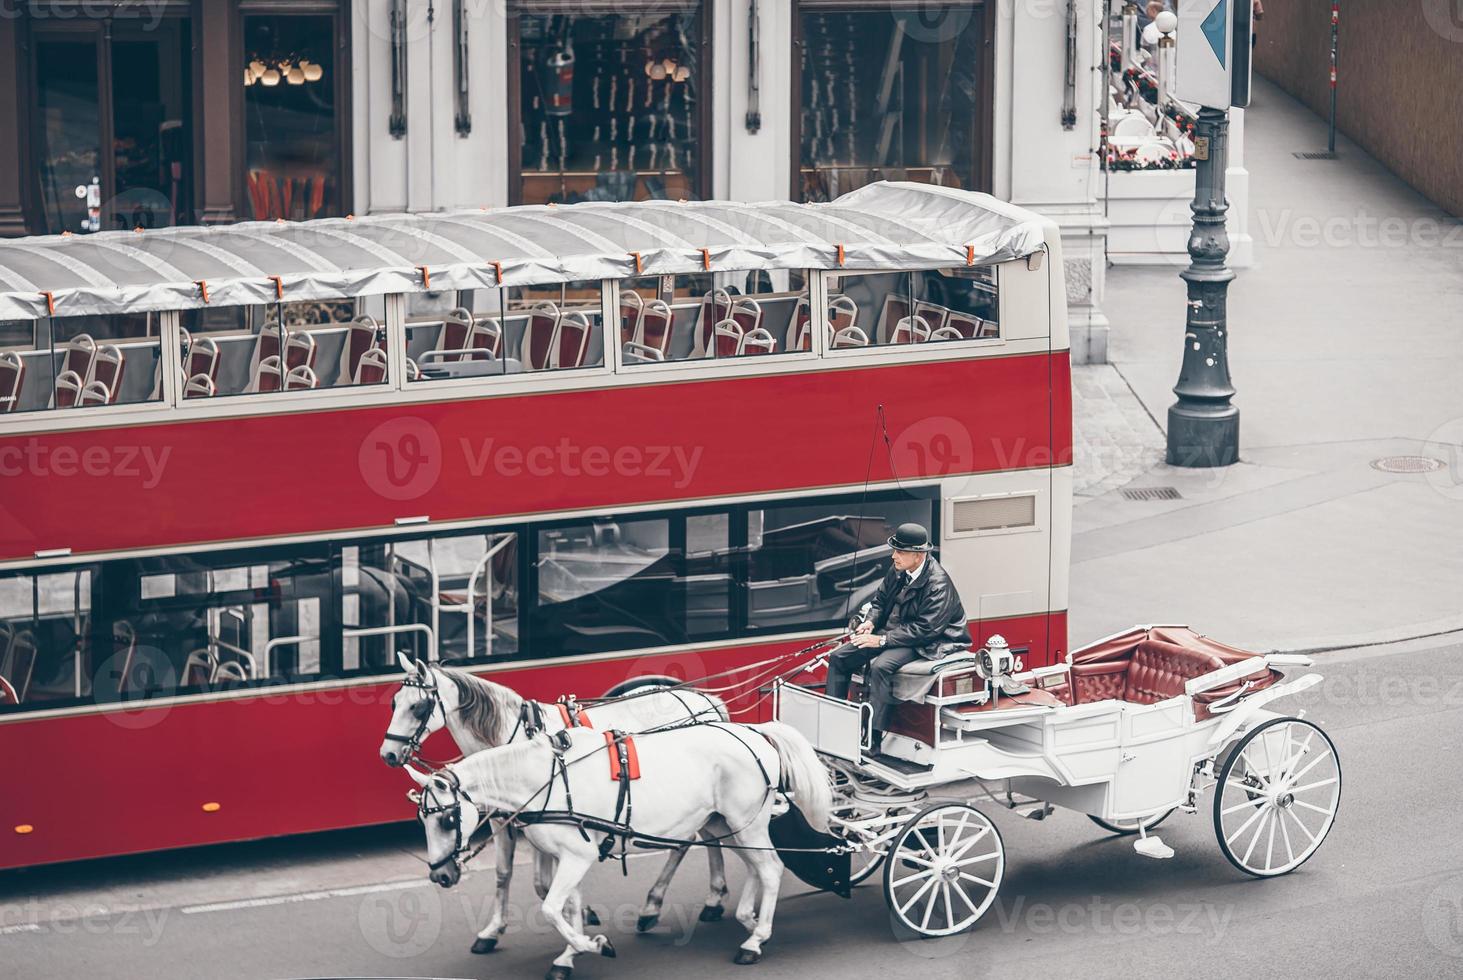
(1382, 898)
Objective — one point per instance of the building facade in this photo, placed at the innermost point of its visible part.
(177, 111)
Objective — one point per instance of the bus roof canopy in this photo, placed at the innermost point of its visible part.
(883, 226)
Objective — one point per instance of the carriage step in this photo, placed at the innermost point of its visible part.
(1152, 846)
(898, 765)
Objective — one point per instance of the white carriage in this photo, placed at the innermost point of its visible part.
(1128, 730)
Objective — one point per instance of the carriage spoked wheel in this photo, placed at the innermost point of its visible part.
(943, 869)
(1277, 797)
(1126, 827)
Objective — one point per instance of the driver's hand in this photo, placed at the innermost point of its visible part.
(867, 626)
(866, 640)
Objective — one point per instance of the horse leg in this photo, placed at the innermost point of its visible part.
(543, 873)
(712, 910)
(563, 893)
(504, 844)
(766, 868)
(655, 898)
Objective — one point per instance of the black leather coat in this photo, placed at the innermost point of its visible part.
(931, 618)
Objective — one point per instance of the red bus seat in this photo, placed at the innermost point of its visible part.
(12, 379)
(106, 370)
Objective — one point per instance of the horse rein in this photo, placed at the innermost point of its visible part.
(433, 700)
(462, 850)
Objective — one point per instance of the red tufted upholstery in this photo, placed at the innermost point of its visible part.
(1156, 671)
(1159, 670)
(1099, 682)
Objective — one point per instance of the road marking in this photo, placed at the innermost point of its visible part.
(22, 927)
(254, 903)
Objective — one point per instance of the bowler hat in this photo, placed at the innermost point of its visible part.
(911, 537)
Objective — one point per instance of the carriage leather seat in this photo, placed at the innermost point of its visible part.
(1156, 672)
(915, 678)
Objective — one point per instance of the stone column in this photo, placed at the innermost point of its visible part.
(13, 124)
(220, 92)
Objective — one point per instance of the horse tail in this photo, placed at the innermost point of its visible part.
(802, 772)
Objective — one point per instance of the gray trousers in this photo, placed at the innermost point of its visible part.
(879, 667)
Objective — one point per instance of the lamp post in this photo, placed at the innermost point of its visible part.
(1203, 427)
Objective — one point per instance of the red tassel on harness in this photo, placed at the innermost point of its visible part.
(624, 745)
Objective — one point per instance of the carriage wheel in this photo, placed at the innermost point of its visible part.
(1277, 796)
(1126, 827)
(943, 870)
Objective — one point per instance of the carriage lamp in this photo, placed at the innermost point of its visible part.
(212, 807)
(23, 829)
(995, 659)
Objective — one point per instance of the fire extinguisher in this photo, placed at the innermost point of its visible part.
(559, 81)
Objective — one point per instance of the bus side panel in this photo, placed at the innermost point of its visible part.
(304, 473)
(274, 762)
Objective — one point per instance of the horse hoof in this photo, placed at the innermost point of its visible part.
(484, 945)
(646, 923)
(590, 918)
(607, 950)
(746, 957)
(712, 913)
(557, 972)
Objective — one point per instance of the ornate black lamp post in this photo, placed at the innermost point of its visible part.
(1203, 427)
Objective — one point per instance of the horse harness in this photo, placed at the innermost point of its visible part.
(624, 768)
(448, 817)
(422, 711)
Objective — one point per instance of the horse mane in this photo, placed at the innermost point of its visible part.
(486, 710)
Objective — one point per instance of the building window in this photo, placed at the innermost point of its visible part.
(891, 91)
(294, 147)
(610, 106)
(113, 123)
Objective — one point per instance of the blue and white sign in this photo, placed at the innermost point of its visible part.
(1205, 43)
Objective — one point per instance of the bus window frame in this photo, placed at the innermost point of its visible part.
(718, 366)
(921, 351)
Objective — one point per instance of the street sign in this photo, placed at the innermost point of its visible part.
(1212, 63)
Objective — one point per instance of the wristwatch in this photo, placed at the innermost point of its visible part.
(883, 640)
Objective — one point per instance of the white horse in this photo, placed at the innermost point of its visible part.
(719, 776)
(480, 714)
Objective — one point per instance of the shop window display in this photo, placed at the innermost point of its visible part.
(610, 105)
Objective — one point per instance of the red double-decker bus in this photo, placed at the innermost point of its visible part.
(580, 448)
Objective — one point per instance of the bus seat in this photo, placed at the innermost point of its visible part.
(360, 337)
(728, 340)
(270, 343)
(758, 341)
(95, 393)
(453, 335)
(371, 368)
(79, 355)
(106, 369)
(748, 314)
(572, 341)
(910, 330)
(963, 324)
(849, 337)
(655, 327)
(800, 330)
(199, 386)
(267, 376)
(632, 308)
(12, 378)
(716, 306)
(301, 378)
(485, 341)
(540, 337)
(946, 333)
(68, 389)
(299, 351)
(842, 312)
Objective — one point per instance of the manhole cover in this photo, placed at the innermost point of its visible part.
(1152, 493)
(1407, 464)
(1313, 155)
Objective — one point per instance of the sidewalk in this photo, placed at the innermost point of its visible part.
(1346, 347)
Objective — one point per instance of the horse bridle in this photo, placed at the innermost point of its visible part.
(462, 850)
(433, 700)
